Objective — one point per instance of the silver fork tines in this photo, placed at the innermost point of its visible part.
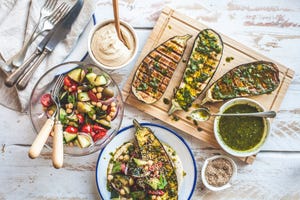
(49, 5)
(55, 90)
(57, 15)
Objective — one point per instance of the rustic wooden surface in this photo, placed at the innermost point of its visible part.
(270, 27)
(172, 23)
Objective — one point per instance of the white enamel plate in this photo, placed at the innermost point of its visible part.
(165, 135)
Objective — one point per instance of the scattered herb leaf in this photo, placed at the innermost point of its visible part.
(229, 59)
(166, 101)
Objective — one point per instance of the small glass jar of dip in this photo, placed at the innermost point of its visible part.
(218, 172)
(105, 48)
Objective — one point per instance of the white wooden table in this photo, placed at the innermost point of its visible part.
(270, 27)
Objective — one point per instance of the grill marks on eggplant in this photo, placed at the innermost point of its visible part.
(249, 79)
(203, 63)
(156, 70)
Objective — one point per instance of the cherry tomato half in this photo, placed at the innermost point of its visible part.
(87, 128)
(80, 118)
(98, 136)
(68, 81)
(46, 100)
(73, 88)
(92, 96)
(123, 167)
(98, 129)
(71, 129)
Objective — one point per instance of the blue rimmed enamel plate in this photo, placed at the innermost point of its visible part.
(165, 135)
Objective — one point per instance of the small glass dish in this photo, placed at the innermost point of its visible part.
(228, 184)
(38, 116)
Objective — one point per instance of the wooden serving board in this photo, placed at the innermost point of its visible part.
(172, 23)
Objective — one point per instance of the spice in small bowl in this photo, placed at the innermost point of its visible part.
(218, 172)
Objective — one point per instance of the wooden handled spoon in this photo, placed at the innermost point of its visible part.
(117, 23)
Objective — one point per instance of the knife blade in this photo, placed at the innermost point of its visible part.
(46, 46)
(63, 28)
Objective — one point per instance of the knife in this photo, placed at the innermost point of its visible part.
(46, 46)
(14, 76)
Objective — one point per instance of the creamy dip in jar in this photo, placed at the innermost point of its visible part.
(108, 49)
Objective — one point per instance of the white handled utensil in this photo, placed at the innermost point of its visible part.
(58, 148)
(41, 139)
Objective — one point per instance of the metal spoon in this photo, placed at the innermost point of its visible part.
(203, 114)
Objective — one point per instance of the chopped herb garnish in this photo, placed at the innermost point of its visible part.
(142, 87)
(195, 122)
(188, 117)
(116, 168)
(71, 99)
(228, 59)
(175, 118)
(162, 182)
(89, 69)
(157, 57)
(166, 101)
(170, 49)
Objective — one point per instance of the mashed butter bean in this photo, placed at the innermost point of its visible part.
(108, 49)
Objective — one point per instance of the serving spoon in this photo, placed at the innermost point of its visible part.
(117, 23)
(203, 114)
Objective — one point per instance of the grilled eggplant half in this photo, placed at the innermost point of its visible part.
(164, 181)
(155, 71)
(203, 63)
(251, 79)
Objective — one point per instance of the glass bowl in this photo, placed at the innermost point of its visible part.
(38, 116)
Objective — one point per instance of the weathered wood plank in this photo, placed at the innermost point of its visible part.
(258, 25)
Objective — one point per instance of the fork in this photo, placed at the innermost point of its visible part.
(45, 12)
(58, 148)
(43, 134)
(47, 24)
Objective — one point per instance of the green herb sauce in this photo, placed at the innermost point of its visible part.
(241, 133)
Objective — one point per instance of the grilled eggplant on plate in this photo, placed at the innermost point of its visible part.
(155, 71)
(251, 79)
(142, 169)
(151, 150)
(203, 63)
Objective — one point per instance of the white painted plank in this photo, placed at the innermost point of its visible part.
(270, 27)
